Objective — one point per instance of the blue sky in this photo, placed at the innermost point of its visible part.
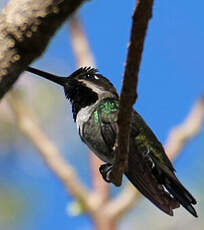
(170, 81)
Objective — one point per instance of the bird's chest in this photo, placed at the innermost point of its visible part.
(82, 117)
(89, 128)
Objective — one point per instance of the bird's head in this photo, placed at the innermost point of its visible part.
(87, 82)
(84, 87)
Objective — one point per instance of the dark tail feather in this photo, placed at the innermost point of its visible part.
(177, 190)
(144, 180)
(167, 178)
(154, 192)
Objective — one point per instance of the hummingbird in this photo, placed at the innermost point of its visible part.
(95, 107)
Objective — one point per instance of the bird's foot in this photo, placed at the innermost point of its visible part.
(105, 170)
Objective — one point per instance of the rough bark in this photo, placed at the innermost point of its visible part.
(26, 27)
(141, 16)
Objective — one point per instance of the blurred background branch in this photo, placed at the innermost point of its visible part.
(48, 151)
(188, 129)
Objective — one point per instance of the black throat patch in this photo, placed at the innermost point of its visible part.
(80, 96)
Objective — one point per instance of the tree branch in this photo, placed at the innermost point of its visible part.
(80, 44)
(176, 141)
(49, 152)
(181, 134)
(121, 204)
(141, 17)
(26, 27)
(100, 193)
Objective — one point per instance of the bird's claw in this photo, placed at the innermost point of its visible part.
(105, 170)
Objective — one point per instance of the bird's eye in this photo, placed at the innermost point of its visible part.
(89, 76)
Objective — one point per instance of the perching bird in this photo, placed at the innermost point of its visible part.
(95, 107)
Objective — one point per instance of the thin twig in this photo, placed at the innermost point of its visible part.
(177, 140)
(121, 204)
(49, 152)
(100, 192)
(141, 17)
(80, 44)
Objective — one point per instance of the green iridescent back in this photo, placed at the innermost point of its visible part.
(107, 110)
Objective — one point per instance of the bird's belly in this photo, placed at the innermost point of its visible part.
(100, 153)
(91, 136)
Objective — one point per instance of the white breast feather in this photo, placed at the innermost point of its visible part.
(84, 113)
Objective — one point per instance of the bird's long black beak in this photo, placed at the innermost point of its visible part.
(57, 79)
